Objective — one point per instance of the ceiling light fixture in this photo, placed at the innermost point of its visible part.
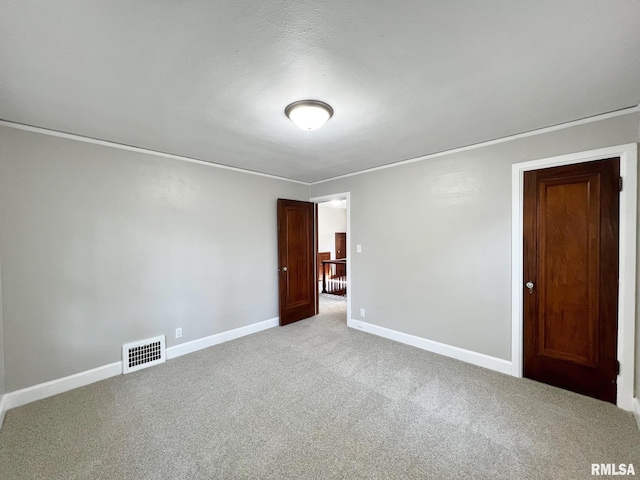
(309, 114)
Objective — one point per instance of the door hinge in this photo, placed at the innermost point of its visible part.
(617, 367)
(620, 184)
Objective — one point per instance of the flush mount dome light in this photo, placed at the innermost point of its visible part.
(309, 114)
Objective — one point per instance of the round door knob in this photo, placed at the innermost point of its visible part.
(530, 286)
(284, 269)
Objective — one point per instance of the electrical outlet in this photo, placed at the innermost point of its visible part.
(178, 332)
(362, 312)
(358, 248)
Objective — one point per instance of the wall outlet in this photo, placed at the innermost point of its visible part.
(178, 332)
(358, 248)
(362, 312)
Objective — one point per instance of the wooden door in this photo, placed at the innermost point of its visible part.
(341, 252)
(297, 282)
(571, 221)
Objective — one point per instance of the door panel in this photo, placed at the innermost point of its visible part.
(297, 287)
(567, 243)
(571, 257)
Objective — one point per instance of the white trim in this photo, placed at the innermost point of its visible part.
(561, 126)
(3, 409)
(636, 410)
(210, 341)
(347, 197)
(121, 146)
(627, 264)
(474, 358)
(61, 385)
(106, 143)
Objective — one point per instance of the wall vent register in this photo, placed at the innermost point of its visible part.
(143, 354)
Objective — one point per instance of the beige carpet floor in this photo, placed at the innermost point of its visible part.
(315, 400)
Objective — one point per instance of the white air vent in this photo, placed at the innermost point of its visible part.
(143, 354)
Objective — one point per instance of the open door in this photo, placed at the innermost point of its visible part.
(296, 266)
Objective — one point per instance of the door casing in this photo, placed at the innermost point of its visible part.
(341, 196)
(627, 261)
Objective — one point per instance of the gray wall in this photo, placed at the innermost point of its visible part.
(436, 237)
(2, 390)
(102, 246)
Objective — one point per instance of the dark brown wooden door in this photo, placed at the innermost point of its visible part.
(297, 282)
(571, 259)
(341, 252)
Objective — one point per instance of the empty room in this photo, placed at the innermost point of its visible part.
(319, 239)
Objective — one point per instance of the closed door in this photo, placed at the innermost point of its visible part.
(571, 221)
(341, 252)
(297, 277)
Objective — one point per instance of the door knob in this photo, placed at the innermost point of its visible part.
(530, 286)
(284, 269)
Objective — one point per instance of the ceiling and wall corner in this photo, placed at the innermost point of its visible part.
(119, 146)
(511, 138)
(210, 80)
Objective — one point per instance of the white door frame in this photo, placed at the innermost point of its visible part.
(341, 196)
(627, 264)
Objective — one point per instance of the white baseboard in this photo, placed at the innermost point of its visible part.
(210, 341)
(3, 409)
(479, 359)
(61, 385)
(636, 410)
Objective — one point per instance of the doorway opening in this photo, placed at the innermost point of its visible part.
(332, 256)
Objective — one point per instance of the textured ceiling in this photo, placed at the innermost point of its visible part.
(210, 79)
